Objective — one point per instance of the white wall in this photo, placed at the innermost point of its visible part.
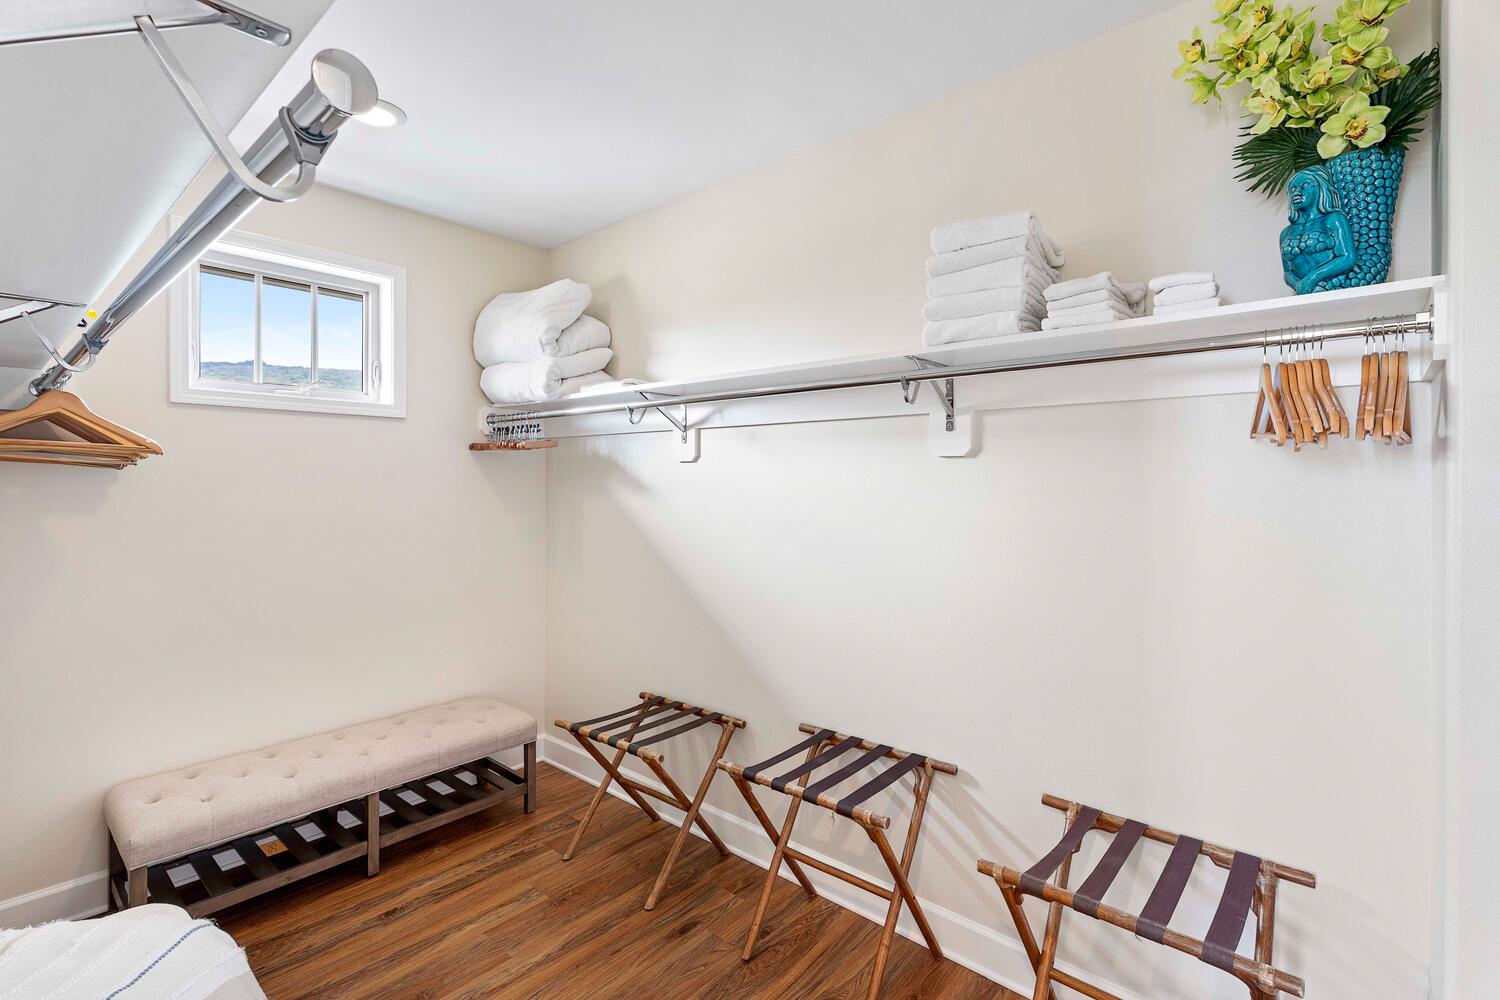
(274, 574)
(1127, 603)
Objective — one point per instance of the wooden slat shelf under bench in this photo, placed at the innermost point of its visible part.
(245, 867)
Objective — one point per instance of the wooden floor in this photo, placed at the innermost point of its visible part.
(487, 908)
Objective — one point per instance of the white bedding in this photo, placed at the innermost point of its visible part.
(152, 952)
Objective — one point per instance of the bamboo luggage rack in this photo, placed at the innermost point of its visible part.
(631, 731)
(1251, 886)
(799, 784)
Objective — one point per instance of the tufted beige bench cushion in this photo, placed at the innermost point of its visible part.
(170, 814)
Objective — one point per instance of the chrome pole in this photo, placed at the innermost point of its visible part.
(1410, 324)
(340, 88)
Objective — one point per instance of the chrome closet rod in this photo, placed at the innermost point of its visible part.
(340, 86)
(1404, 325)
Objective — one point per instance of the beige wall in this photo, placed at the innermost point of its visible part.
(1122, 602)
(275, 574)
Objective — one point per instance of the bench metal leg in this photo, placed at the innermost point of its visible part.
(372, 834)
(530, 801)
(136, 896)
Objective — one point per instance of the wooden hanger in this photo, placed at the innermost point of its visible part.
(1368, 416)
(1338, 420)
(1267, 402)
(102, 442)
(1401, 420)
(1292, 399)
(1388, 402)
(1364, 391)
(1309, 401)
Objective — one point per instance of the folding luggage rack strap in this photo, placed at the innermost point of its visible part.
(1250, 887)
(825, 747)
(633, 730)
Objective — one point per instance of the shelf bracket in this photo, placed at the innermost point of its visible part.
(943, 389)
(687, 437)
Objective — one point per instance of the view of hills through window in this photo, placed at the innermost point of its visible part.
(291, 353)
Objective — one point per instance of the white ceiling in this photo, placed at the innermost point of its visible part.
(545, 121)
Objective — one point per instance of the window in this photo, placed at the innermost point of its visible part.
(264, 323)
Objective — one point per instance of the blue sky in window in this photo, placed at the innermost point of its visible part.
(226, 325)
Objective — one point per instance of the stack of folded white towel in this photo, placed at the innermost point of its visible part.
(1099, 298)
(538, 345)
(986, 278)
(1185, 291)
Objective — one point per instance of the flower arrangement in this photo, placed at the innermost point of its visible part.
(1310, 106)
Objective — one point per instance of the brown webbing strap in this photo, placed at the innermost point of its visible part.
(1152, 923)
(701, 720)
(673, 715)
(613, 730)
(750, 772)
(1036, 877)
(1234, 907)
(624, 711)
(827, 756)
(859, 763)
(887, 777)
(1090, 894)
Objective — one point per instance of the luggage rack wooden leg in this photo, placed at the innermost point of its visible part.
(822, 748)
(655, 719)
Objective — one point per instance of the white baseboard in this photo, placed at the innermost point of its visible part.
(72, 900)
(991, 953)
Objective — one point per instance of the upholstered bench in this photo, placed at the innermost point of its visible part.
(213, 835)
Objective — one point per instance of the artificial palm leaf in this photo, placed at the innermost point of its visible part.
(1268, 161)
(1410, 98)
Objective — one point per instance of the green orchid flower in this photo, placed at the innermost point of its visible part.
(1270, 103)
(1357, 123)
(1205, 88)
(1256, 13)
(1355, 15)
(1260, 60)
(1389, 72)
(1194, 52)
(1320, 74)
(1297, 42)
(1363, 50)
(1318, 103)
(1227, 10)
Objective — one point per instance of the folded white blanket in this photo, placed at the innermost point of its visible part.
(1180, 278)
(1001, 324)
(1014, 272)
(979, 303)
(1186, 293)
(975, 232)
(1084, 299)
(584, 334)
(1085, 317)
(147, 951)
(1182, 307)
(1116, 309)
(579, 385)
(985, 253)
(524, 326)
(534, 381)
(1103, 281)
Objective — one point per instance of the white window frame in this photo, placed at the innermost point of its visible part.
(383, 286)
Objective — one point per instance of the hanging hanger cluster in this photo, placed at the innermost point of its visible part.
(1297, 401)
(99, 443)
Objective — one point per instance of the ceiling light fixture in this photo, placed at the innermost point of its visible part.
(383, 115)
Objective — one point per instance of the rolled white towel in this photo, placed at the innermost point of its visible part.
(1082, 299)
(1010, 273)
(986, 253)
(1103, 281)
(979, 303)
(1001, 324)
(1186, 293)
(534, 381)
(1086, 317)
(519, 326)
(1180, 278)
(1184, 307)
(992, 229)
(583, 334)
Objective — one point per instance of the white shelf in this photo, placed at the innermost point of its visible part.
(1188, 375)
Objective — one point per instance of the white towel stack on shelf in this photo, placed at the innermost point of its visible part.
(538, 345)
(986, 278)
(1099, 298)
(1185, 291)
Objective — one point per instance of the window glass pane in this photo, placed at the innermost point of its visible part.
(226, 326)
(285, 332)
(341, 340)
